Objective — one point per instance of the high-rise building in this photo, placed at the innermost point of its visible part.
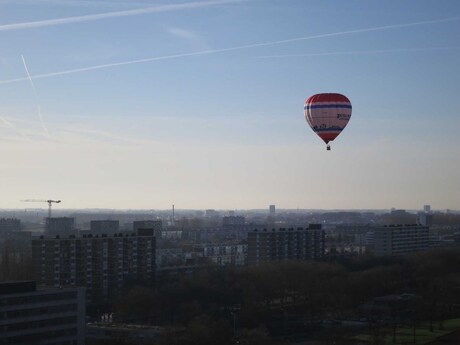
(103, 264)
(400, 239)
(272, 210)
(107, 227)
(282, 244)
(425, 219)
(427, 208)
(41, 316)
(64, 226)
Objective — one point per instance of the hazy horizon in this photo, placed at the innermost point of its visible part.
(237, 210)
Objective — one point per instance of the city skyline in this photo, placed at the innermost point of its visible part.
(142, 105)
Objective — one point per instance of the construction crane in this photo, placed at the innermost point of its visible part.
(50, 202)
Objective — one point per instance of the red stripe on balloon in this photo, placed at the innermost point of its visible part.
(327, 97)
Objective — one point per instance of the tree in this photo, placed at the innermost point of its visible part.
(205, 330)
(254, 336)
(139, 304)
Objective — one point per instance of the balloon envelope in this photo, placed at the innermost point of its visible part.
(327, 114)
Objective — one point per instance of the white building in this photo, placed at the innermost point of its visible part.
(224, 254)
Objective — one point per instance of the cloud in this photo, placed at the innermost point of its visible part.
(116, 14)
(7, 123)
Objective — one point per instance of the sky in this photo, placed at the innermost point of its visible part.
(143, 104)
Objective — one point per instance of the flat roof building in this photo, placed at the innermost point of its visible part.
(156, 225)
(32, 316)
(64, 226)
(103, 264)
(400, 239)
(266, 245)
(108, 227)
(223, 254)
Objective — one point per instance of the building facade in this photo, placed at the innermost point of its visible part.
(107, 227)
(156, 225)
(267, 245)
(232, 221)
(103, 264)
(31, 316)
(400, 239)
(223, 254)
(63, 226)
(425, 219)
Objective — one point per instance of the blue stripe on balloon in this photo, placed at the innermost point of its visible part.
(309, 106)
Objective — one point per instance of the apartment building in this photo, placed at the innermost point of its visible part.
(31, 316)
(223, 254)
(103, 264)
(62, 226)
(267, 245)
(107, 227)
(400, 239)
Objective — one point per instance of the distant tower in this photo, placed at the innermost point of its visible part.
(427, 208)
(272, 210)
(172, 221)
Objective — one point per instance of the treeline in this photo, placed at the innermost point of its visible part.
(217, 305)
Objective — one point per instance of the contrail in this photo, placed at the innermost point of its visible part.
(10, 125)
(357, 52)
(74, 3)
(6, 122)
(116, 14)
(223, 50)
(36, 97)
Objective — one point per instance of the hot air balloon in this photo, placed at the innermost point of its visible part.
(327, 114)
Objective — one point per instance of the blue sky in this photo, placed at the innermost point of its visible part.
(214, 118)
